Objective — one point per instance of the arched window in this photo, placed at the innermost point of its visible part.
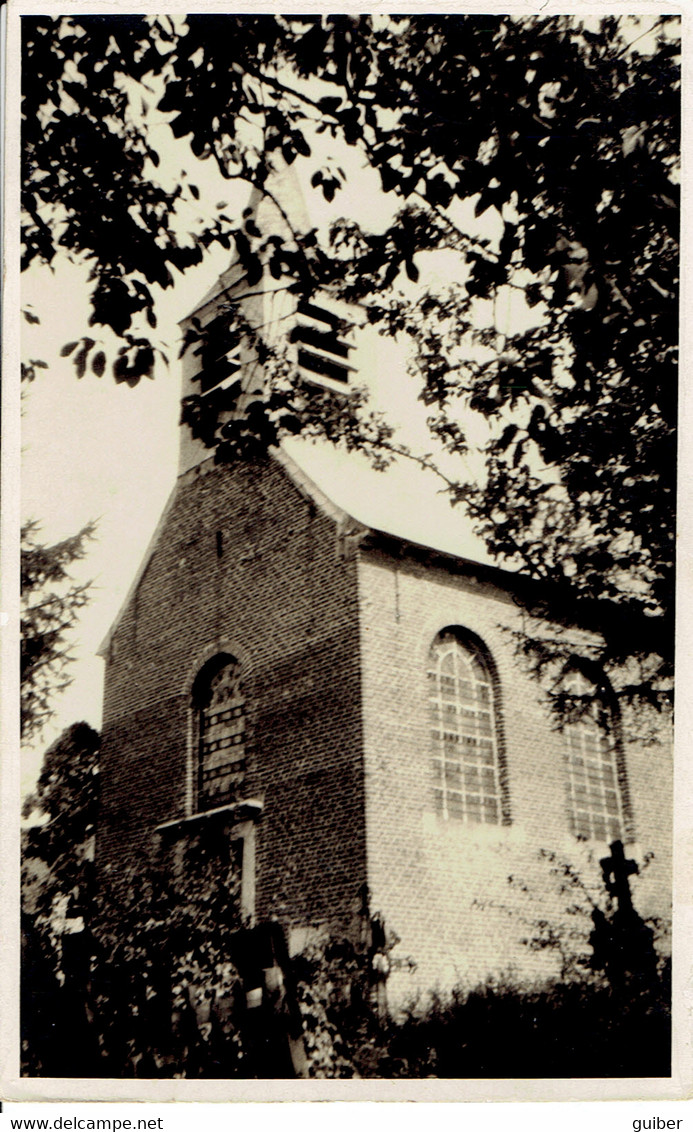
(221, 733)
(595, 793)
(466, 780)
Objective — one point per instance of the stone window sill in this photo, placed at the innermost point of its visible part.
(249, 809)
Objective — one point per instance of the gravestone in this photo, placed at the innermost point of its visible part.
(621, 941)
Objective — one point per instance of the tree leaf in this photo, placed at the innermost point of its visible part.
(81, 362)
(98, 363)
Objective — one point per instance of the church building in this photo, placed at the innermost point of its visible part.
(343, 693)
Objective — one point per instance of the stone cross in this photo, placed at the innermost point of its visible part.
(617, 867)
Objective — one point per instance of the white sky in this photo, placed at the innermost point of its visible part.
(92, 449)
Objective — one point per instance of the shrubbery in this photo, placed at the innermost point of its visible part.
(148, 1011)
(155, 974)
(582, 1028)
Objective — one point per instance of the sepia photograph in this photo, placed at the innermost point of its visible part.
(348, 443)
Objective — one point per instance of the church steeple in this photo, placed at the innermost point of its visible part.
(280, 206)
(313, 330)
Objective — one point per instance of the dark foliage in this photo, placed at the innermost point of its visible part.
(153, 989)
(65, 799)
(40, 1005)
(50, 606)
(557, 129)
(573, 1030)
(162, 989)
(584, 1027)
(147, 988)
(57, 881)
(608, 1015)
(147, 974)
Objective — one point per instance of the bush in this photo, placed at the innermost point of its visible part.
(579, 1029)
(160, 983)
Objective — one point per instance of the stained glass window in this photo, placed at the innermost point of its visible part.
(595, 804)
(466, 784)
(222, 737)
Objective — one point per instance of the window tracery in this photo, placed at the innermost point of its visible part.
(595, 798)
(222, 736)
(464, 734)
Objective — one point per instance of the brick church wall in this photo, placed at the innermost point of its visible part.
(281, 600)
(334, 645)
(442, 885)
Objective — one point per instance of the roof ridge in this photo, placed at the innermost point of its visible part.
(308, 487)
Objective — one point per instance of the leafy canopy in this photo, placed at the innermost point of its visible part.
(563, 134)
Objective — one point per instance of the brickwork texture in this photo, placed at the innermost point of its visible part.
(460, 896)
(245, 565)
(334, 641)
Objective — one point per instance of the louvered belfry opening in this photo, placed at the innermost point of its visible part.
(323, 350)
(321, 338)
(220, 354)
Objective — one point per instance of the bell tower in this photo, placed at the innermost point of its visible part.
(223, 326)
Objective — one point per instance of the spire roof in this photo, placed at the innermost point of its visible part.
(277, 209)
